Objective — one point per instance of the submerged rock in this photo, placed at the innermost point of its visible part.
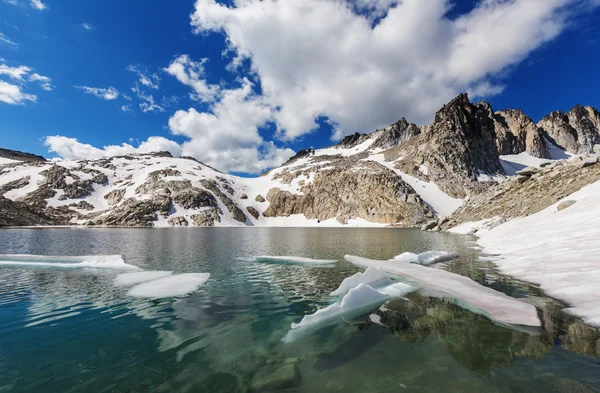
(272, 378)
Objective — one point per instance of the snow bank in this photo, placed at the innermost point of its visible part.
(114, 262)
(374, 277)
(138, 277)
(426, 258)
(463, 291)
(4, 161)
(559, 250)
(358, 301)
(177, 285)
(442, 203)
(293, 260)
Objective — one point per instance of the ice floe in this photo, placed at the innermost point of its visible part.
(176, 285)
(426, 258)
(461, 290)
(114, 262)
(358, 301)
(293, 260)
(139, 277)
(374, 277)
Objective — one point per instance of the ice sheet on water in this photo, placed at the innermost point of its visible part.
(114, 262)
(139, 277)
(176, 285)
(293, 260)
(425, 258)
(374, 277)
(461, 290)
(358, 301)
(398, 289)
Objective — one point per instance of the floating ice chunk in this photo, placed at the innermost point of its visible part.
(177, 285)
(374, 277)
(138, 277)
(398, 289)
(114, 262)
(426, 258)
(293, 260)
(461, 290)
(358, 301)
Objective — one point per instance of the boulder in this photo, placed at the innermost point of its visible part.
(259, 198)
(253, 212)
(243, 196)
(429, 225)
(207, 218)
(565, 204)
(529, 171)
(178, 221)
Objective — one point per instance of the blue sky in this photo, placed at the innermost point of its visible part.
(252, 83)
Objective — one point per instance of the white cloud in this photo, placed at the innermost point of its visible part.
(227, 137)
(14, 72)
(126, 108)
(88, 26)
(147, 103)
(191, 73)
(4, 39)
(107, 94)
(13, 94)
(72, 149)
(38, 5)
(332, 58)
(44, 81)
(145, 79)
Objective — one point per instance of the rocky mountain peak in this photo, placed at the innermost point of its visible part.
(576, 131)
(20, 156)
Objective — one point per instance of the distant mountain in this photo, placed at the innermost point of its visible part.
(402, 175)
(20, 156)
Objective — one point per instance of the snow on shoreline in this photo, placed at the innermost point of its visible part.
(558, 250)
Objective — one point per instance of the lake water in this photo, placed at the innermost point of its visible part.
(72, 330)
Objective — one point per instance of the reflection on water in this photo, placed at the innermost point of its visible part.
(74, 331)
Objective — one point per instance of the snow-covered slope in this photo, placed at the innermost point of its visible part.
(557, 248)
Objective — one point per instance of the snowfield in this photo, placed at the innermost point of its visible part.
(558, 250)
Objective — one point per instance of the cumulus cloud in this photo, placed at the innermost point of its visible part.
(13, 94)
(72, 149)
(227, 136)
(5, 40)
(191, 73)
(38, 5)
(365, 63)
(106, 94)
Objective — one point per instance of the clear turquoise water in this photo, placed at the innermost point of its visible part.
(74, 331)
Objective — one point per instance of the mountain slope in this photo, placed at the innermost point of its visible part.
(402, 175)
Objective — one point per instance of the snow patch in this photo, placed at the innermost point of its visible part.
(557, 250)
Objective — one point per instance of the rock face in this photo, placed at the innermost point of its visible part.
(459, 145)
(20, 214)
(516, 133)
(576, 131)
(396, 134)
(353, 189)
